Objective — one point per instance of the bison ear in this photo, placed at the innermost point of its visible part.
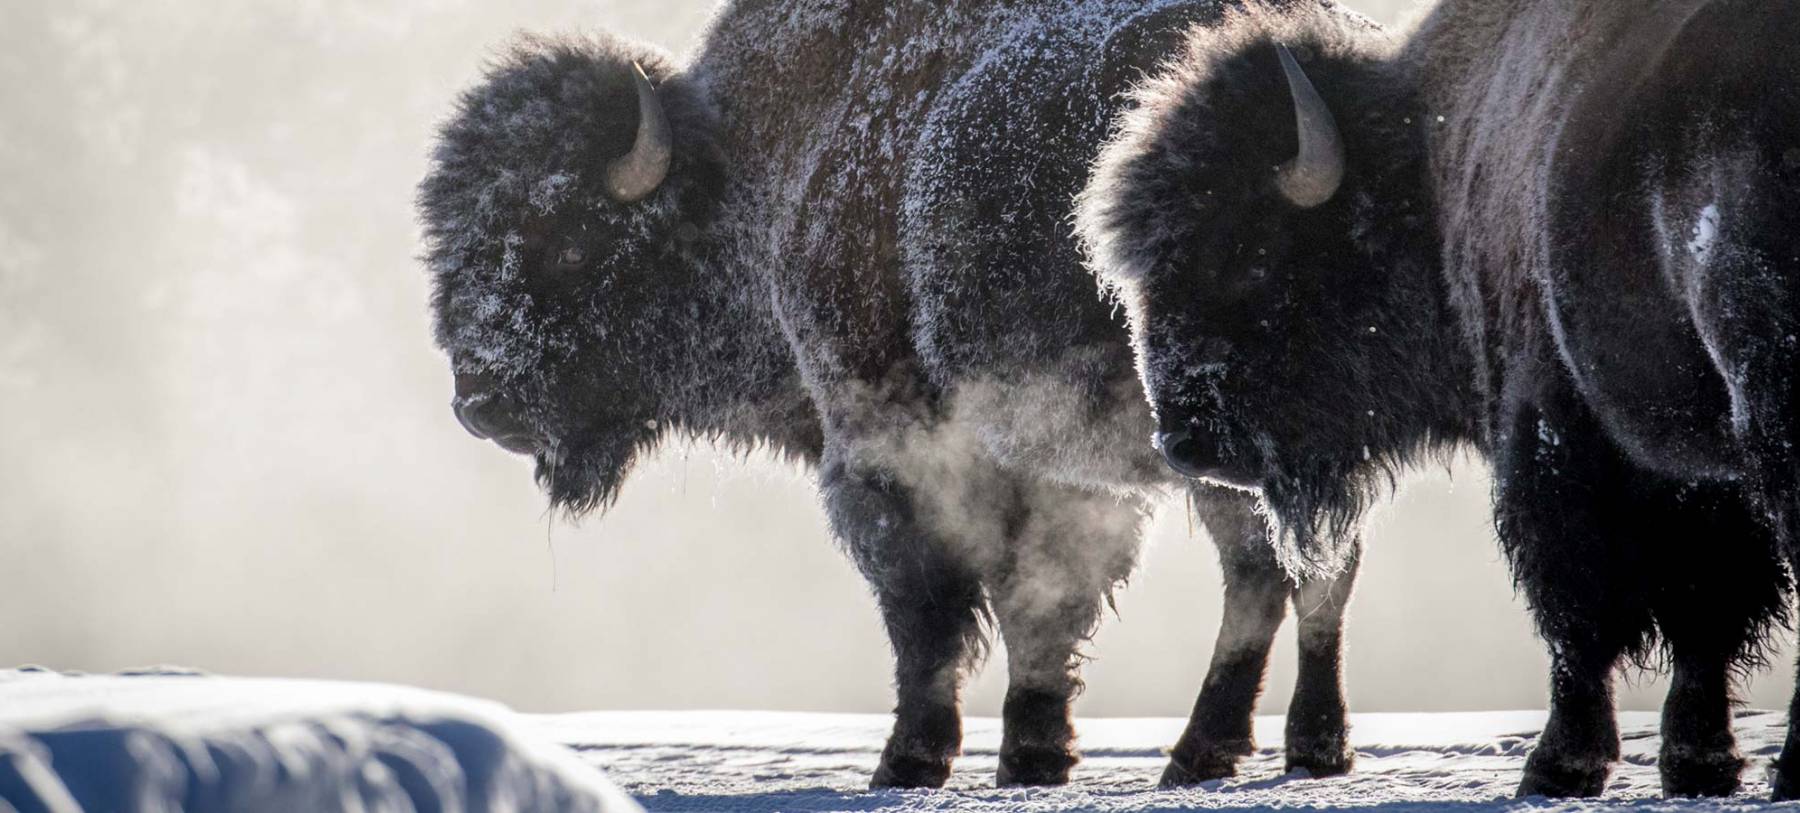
(634, 175)
(1313, 176)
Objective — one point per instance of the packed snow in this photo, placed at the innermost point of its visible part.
(768, 761)
(166, 742)
(180, 742)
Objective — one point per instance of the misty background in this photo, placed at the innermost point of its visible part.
(225, 439)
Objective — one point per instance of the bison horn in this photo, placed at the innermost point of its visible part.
(634, 175)
(1314, 175)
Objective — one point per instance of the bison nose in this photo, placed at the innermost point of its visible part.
(484, 411)
(472, 393)
(470, 416)
(496, 418)
(1184, 454)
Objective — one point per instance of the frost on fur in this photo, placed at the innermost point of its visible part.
(860, 257)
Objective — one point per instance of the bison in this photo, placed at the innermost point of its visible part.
(1556, 232)
(841, 233)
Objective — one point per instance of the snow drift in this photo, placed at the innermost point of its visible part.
(176, 741)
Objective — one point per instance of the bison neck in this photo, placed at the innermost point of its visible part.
(741, 385)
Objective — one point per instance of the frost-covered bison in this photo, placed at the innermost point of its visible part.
(1561, 232)
(843, 232)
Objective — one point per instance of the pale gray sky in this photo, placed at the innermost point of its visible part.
(226, 442)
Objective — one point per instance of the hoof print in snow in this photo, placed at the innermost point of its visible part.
(1035, 767)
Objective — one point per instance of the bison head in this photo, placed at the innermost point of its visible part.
(563, 214)
(1261, 217)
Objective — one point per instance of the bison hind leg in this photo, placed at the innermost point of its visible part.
(1785, 779)
(1724, 589)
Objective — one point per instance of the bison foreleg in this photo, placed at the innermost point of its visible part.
(1724, 588)
(1574, 755)
(1567, 530)
(931, 604)
(1318, 729)
(1256, 593)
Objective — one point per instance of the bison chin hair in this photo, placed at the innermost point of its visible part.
(1315, 514)
(582, 478)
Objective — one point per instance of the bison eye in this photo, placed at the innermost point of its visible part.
(570, 258)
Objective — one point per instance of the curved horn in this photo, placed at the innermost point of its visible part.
(1314, 175)
(634, 175)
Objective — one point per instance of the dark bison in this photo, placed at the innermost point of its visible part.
(1560, 232)
(842, 233)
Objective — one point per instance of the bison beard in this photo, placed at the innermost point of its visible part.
(842, 233)
(1312, 513)
(579, 479)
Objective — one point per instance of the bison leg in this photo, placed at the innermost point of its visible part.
(931, 604)
(1786, 781)
(1699, 754)
(1070, 547)
(1256, 593)
(1318, 728)
(1780, 497)
(1564, 525)
(1574, 755)
(1717, 604)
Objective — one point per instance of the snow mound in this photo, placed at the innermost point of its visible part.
(1406, 763)
(178, 741)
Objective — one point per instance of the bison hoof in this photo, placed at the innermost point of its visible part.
(1326, 756)
(1187, 776)
(1697, 774)
(1188, 768)
(1035, 767)
(910, 772)
(1563, 779)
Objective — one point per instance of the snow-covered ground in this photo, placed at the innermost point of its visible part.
(175, 742)
(167, 743)
(753, 761)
